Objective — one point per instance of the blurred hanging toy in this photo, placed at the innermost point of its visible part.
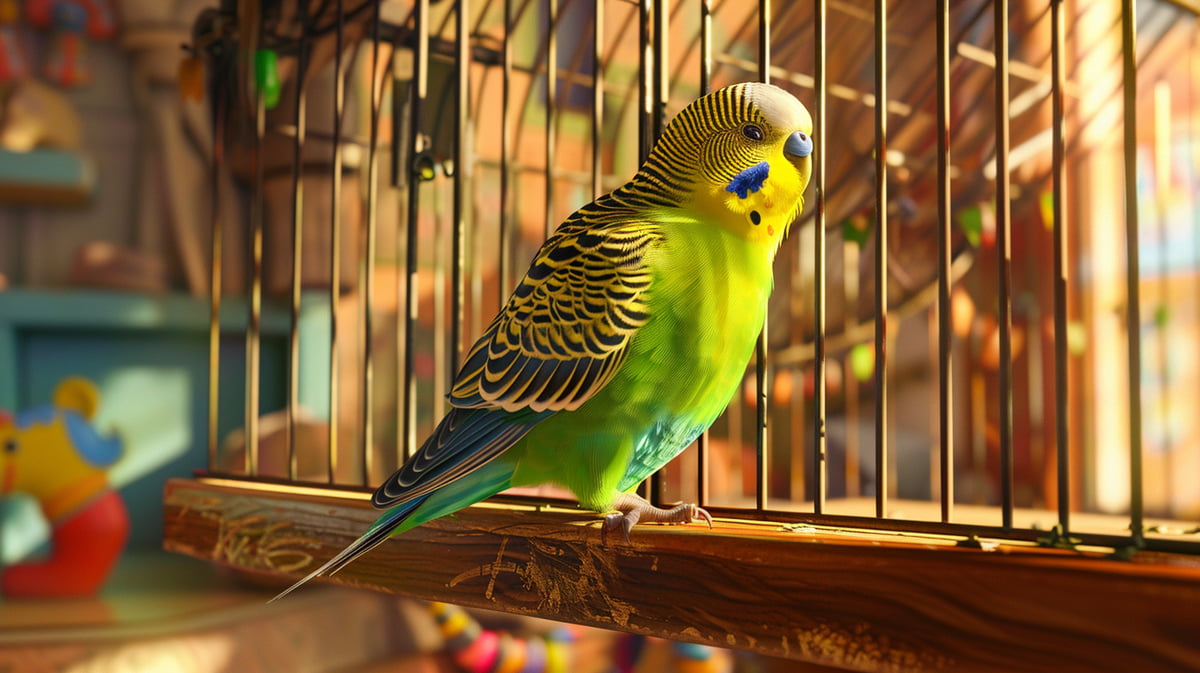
(475, 649)
(14, 64)
(71, 21)
(54, 454)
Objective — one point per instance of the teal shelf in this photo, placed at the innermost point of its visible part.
(127, 310)
(46, 177)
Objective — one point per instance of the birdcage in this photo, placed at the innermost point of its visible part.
(966, 440)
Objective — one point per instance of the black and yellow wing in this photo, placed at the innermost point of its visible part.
(567, 327)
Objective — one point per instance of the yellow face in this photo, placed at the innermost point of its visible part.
(54, 454)
(757, 161)
(40, 459)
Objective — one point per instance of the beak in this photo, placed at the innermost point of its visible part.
(798, 145)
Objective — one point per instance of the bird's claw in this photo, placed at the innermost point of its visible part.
(631, 509)
(617, 521)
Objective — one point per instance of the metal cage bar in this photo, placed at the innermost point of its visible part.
(462, 173)
(298, 139)
(416, 117)
(661, 81)
(1004, 265)
(597, 97)
(367, 266)
(881, 269)
(220, 113)
(1133, 309)
(761, 372)
(551, 111)
(645, 73)
(1061, 354)
(945, 343)
(659, 96)
(820, 85)
(505, 233)
(335, 240)
(254, 327)
(703, 447)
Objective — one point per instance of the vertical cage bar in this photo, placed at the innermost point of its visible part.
(417, 139)
(335, 240)
(660, 81)
(219, 111)
(881, 238)
(597, 96)
(1133, 269)
(820, 84)
(551, 110)
(662, 77)
(706, 58)
(945, 344)
(301, 120)
(764, 41)
(1004, 266)
(367, 266)
(760, 351)
(1061, 383)
(505, 232)
(703, 455)
(401, 174)
(462, 106)
(441, 227)
(645, 86)
(254, 331)
(645, 90)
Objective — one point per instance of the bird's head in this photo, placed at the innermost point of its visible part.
(741, 156)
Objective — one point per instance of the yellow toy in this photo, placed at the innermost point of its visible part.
(55, 455)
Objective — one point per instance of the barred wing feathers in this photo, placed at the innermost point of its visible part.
(566, 328)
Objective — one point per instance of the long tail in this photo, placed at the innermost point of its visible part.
(381, 530)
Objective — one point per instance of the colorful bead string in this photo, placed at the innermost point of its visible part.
(478, 650)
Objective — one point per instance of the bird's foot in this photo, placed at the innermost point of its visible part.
(632, 508)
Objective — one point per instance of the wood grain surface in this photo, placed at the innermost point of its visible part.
(859, 602)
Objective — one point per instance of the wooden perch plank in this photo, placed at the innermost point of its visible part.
(858, 603)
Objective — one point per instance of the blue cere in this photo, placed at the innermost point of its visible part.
(749, 180)
(798, 145)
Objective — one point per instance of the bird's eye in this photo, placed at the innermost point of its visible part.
(752, 131)
(10, 446)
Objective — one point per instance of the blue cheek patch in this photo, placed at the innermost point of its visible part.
(749, 180)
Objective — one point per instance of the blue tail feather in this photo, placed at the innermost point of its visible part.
(379, 531)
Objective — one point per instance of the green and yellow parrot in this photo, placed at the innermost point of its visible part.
(630, 332)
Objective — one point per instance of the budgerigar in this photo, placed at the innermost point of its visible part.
(630, 332)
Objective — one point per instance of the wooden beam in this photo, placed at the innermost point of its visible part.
(861, 602)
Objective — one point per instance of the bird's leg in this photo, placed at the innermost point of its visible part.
(632, 508)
